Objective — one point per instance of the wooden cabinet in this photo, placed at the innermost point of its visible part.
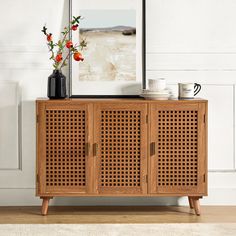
(121, 147)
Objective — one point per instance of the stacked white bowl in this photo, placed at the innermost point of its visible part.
(156, 90)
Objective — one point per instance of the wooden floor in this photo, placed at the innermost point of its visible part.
(93, 215)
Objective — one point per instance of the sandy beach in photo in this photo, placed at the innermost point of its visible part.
(110, 54)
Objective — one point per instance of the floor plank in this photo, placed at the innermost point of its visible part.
(132, 214)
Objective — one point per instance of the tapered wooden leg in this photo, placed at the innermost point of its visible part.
(44, 209)
(196, 205)
(190, 202)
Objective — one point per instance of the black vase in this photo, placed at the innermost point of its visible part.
(57, 85)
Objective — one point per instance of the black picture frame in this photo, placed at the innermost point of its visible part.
(143, 61)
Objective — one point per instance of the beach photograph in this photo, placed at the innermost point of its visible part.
(110, 54)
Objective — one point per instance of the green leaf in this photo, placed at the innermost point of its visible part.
(59, 44)
(76, 19)
(44, 30)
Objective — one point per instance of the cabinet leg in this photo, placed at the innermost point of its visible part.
(190, 202)
(44, 209)
(196, 205)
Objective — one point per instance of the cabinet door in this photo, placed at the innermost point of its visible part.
(120, 148)
(63, 158)
(178, 148)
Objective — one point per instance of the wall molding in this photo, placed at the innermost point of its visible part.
(192, 70)
(191, 62)
(25, 66)
(47, 66)
(42, 48)
(19, 124)
(191, 52)
(23, 48)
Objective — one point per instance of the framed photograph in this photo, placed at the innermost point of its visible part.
(114, 59)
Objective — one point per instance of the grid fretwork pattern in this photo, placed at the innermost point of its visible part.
(177, 148)
(65, 148)
(120, 148)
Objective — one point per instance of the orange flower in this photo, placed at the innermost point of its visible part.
(78, 56)
(58, 57)
(49, 37)
(69, 44)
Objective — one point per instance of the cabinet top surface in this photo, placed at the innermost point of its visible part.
(118, 100)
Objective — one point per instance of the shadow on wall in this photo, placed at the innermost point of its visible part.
(115, 201)
(65, 21)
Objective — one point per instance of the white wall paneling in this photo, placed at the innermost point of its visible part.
(221, 126)
(24, 19)
(187, 41)
(191, 26)
(24, 59)
(10, 148)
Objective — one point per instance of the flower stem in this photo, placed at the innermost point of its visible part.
(66, 58)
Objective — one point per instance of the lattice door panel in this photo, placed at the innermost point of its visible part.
(66, 135)
(176, 159)
(121, 159)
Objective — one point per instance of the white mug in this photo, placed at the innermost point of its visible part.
(188, 90)
(157, 84)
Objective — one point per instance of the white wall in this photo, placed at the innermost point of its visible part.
(187, 40)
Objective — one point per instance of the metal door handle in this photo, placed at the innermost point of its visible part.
(87, 147)
(152, 148)
(95, 149)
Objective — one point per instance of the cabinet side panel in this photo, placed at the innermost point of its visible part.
(202, 148)
(41, 148)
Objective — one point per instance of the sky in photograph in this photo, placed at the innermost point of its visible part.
(107, 18)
